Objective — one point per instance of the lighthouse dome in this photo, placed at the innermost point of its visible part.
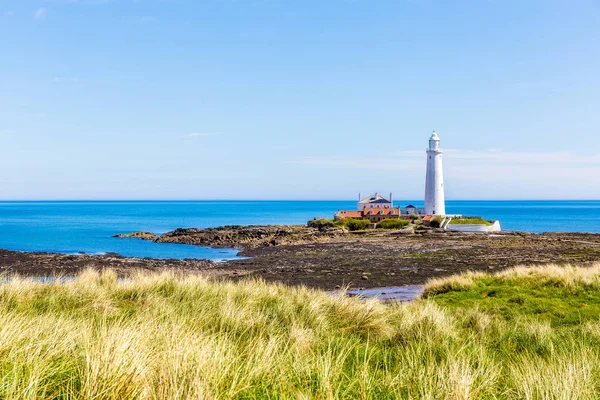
(434, 142)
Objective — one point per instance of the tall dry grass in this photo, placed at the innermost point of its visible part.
(161, 336)
(564, 276)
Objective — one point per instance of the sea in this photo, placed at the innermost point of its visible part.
(87, 227)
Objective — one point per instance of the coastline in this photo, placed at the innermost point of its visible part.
(331, 259)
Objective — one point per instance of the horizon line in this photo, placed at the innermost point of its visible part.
(258, 200)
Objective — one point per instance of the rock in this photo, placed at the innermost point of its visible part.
(248, 237)
(334, 231)
(137, 235)
(364, 277)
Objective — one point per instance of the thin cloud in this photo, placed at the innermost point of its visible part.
(465, 161)
(147, 19)
(7, 133)
(90, 2)
(202, 134)
(39, 13)
(373, 163)
(491, 173)
(66, 79)
(525, 158)
(9, 14)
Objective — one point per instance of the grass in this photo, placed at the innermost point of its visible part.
(469, 221)
(436, 222)
(158, 336)
(348, 223)
(393, 224)
(563, 295)
(353, 224)
(321, 224)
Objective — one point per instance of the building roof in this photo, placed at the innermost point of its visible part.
(374, 198)
(349, 214)
(409, 206)
(367, 212)
(380, 201)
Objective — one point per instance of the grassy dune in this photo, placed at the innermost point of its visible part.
(163, 336)
(560, 295)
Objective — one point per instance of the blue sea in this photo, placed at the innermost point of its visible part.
(74, 227)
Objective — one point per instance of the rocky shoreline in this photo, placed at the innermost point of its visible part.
(330, 259)
(241, 237)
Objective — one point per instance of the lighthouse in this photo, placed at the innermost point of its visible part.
(435, 203)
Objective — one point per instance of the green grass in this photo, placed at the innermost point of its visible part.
(393, 224)
(350, 224)
(353, 224)
(436, 222)
(469, 221)
(321, 223)
(161, 336)
(561, 295)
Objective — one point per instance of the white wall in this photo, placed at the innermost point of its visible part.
(495, 227)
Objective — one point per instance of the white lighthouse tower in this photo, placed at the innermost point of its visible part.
(435, 204)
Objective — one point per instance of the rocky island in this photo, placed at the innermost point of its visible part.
(332, 258)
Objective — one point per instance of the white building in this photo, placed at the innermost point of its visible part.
(412, 210)
(435, 203)
(374, 201)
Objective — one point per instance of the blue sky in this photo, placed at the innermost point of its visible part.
(307, 99)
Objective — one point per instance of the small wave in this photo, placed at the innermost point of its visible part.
(225, 259)
(83, 253)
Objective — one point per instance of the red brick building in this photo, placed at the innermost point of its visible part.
(375, 208)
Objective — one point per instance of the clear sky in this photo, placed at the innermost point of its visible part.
(298, 99)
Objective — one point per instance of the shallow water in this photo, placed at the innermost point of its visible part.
(43, 279)
(386, 294)
(392, 293)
